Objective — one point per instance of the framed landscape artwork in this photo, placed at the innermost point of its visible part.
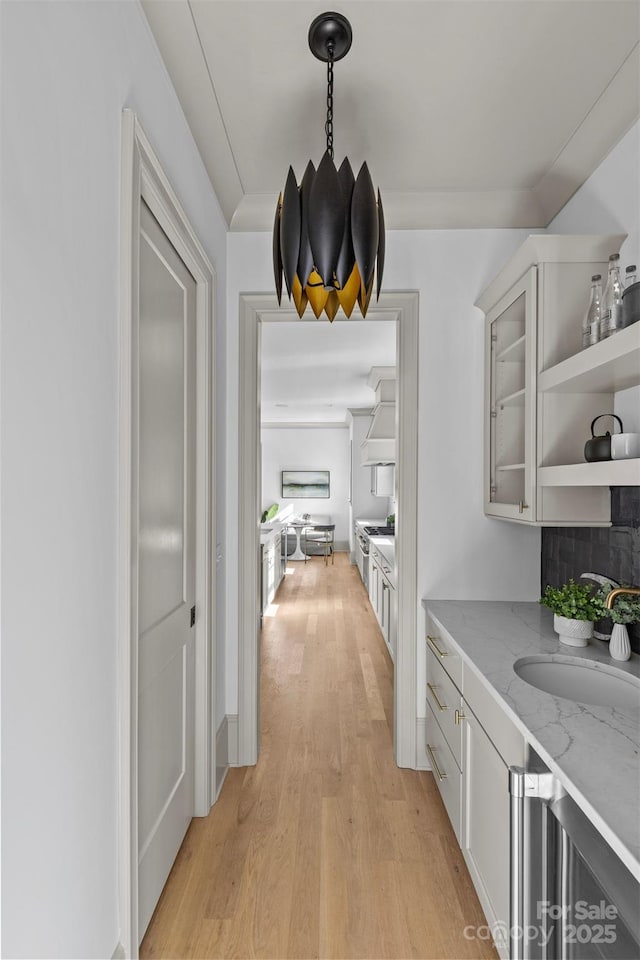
(297, 484)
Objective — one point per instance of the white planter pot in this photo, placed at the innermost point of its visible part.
(574, 633)
(619, 646)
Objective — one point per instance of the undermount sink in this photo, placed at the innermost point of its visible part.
(582, 681)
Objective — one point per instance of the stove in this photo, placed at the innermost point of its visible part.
(380, 531)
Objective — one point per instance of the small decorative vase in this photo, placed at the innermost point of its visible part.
(619, 646)
(574, 633)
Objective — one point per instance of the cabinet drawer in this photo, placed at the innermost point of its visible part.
(445, 772)
(444, 651)
(444, 699)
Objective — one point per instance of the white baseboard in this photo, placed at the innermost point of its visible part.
(222, 756)
(226, 749)
(232, 725)
(422, 761)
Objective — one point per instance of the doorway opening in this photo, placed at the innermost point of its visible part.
(256, 310)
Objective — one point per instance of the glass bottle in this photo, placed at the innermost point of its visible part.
(630, 275)
(591, 319)
(612, 300)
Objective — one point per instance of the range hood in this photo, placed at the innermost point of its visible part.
(379, 445)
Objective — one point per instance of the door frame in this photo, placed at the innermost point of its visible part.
(142, 178)
(254, 309)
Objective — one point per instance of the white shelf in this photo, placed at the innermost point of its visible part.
(511, 466)
(514, 353)
(606, 367)
(512, 399)
(607, 473)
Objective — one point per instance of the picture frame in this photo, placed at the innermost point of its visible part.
(306, 484)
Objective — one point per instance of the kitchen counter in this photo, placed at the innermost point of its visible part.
(594, 751)
(386, 546)
(268, 532)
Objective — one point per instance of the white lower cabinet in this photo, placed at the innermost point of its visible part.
(485, 823)
(382, 596)
(272, 569)
(471, 743)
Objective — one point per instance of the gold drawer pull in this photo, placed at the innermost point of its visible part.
(434, 643)
(459, 716)
(434, 763)
(432, 691)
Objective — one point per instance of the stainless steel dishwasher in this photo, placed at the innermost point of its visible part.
(572, 898)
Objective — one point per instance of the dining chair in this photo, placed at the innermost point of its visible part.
(322, 535)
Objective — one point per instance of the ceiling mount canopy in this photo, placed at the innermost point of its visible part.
(328, 234)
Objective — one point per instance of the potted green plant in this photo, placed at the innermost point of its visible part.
(575, 607)
(625, 609)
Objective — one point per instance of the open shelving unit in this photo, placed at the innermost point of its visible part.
(607, 473)
(542, 384)
(605, 367)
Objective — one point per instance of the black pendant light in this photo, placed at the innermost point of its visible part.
(328, 235)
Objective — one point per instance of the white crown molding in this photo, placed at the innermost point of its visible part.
(432, 210)
(304, 425)
(174, 31)
(611, 116)
(360, 411)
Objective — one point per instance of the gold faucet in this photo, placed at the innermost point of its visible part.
(633, 591)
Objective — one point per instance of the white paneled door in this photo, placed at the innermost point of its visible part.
(166, 559)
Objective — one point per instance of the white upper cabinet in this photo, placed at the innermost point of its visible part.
(542, 390)
(510, 403)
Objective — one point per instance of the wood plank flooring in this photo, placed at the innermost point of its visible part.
(325, 848)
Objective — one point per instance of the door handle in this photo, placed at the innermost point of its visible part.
(434, 643)
(432, 691)
(434, 763)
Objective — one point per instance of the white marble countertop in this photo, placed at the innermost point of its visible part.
(386, 546)
(594, 751)
(268, 531)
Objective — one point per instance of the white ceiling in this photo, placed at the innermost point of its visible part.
(468, 112)
(313, 372)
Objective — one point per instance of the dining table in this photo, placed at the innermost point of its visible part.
(297, 524)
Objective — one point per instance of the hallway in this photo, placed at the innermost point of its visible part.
(325, 848)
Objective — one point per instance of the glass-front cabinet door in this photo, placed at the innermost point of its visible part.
(510, 407)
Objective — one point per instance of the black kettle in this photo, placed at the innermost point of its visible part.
(599, 448)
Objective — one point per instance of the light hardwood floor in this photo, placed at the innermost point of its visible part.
(325, 848)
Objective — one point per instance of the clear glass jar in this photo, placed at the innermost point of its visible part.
(592, 317)
(611, 319)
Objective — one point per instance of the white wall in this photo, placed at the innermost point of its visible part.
(306, 448)
(68, 69)
(461, 553)
(609, 202)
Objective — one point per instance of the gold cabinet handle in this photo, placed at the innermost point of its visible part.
(459, 716)
(432, 691)
(434, 643)
(434, 763)
(522, 506)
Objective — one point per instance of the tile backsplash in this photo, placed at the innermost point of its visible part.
(612, 551)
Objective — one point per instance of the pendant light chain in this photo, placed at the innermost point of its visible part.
(329, 124)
